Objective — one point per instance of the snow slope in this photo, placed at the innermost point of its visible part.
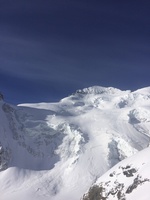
(58, 150)
(129, 179)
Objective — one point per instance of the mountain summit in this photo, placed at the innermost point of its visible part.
(59, 150)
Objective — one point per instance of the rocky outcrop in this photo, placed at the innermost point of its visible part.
(1, 96)
(4, 157)
(116, 187)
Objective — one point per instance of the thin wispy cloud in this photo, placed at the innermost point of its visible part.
(66, 45)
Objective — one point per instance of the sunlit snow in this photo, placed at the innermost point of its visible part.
(56, 151)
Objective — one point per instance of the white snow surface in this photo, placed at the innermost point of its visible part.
(129, 179)
(56, 151)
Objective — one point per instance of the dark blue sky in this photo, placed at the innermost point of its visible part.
(50, 48)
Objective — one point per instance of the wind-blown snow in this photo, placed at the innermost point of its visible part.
(58, 150)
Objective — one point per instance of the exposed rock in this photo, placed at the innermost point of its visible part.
(137, 181)
(4, 157)
(1, 96)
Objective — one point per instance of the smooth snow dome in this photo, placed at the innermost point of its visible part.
(59, 150)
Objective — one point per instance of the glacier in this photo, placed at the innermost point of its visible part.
(59, 150)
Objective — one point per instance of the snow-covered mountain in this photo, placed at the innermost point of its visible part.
(59, 150)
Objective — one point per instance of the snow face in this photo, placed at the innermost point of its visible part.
(55, 150)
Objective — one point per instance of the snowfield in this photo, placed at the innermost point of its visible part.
(57, 151)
